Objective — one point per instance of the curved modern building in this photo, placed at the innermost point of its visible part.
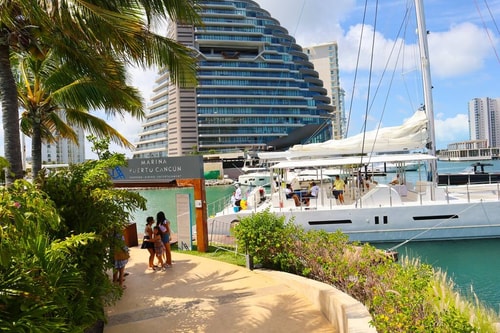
(256, 88)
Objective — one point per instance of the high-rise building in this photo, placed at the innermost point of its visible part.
(326, 61)
(153, 138)
(65, 151)
(257, 89)
(484, 120)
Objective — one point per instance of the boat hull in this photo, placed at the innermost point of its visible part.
(438, 221)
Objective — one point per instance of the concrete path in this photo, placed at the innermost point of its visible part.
(203, 295)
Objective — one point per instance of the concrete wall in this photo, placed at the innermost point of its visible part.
(346, 314)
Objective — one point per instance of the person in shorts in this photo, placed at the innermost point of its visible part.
(338, 189)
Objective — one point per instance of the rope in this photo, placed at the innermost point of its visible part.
(435, 226)
(486, 28)
(369, 80)
(357, 68)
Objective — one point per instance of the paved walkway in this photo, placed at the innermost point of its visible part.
(204, 295)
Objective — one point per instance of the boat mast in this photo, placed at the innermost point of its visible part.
(426, 77)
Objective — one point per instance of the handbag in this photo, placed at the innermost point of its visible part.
(145, 241)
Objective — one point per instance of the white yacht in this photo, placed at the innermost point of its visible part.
(257, 178)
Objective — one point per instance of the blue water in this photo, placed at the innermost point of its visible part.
(164, 200)
(473, 265)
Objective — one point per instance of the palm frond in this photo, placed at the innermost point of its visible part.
(97, 126)
(55, 124)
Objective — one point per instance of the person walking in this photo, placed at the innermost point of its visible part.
(338, 189)
(164, 224)
(148, 241)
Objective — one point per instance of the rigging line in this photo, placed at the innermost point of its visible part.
(417, 92)
(487, 31)
(358, 56)
(404, 23)
(369, 80)
(434, 227)
(325, 124)
(300, 17)
(491, 15)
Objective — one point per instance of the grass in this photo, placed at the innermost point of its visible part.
(230, 257)
(446, 296)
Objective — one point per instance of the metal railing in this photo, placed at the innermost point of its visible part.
(221, 236)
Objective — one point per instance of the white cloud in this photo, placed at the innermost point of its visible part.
(128, 127)
(455, 128)
(310, 22)
(460, 50)
(143, 79)
(384, 49)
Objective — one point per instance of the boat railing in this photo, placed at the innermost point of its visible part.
(252, 199)
(218, 205)
(474, 192)
(396, 195)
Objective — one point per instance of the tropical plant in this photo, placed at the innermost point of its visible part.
(87, 202)
(57, 95)
(4, 167)
(121, 30)
(100, 147)
(55, 248)
(38, 276)
(262, 236)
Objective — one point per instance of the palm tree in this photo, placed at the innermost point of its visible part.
(71, 28)
(57, 95)
(10, 37)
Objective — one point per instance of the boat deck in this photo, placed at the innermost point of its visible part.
(381, 195)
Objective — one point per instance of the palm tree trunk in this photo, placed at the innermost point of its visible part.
(10, 113)
(36, 149)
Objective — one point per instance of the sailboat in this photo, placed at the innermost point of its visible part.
(397, 212)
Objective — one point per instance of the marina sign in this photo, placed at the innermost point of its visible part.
(158, 169)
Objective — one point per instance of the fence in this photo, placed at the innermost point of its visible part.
(221, 236)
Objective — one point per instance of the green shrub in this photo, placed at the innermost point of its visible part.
(262, 237)
(38, 276)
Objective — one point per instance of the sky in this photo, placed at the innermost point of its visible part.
(464, 48)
